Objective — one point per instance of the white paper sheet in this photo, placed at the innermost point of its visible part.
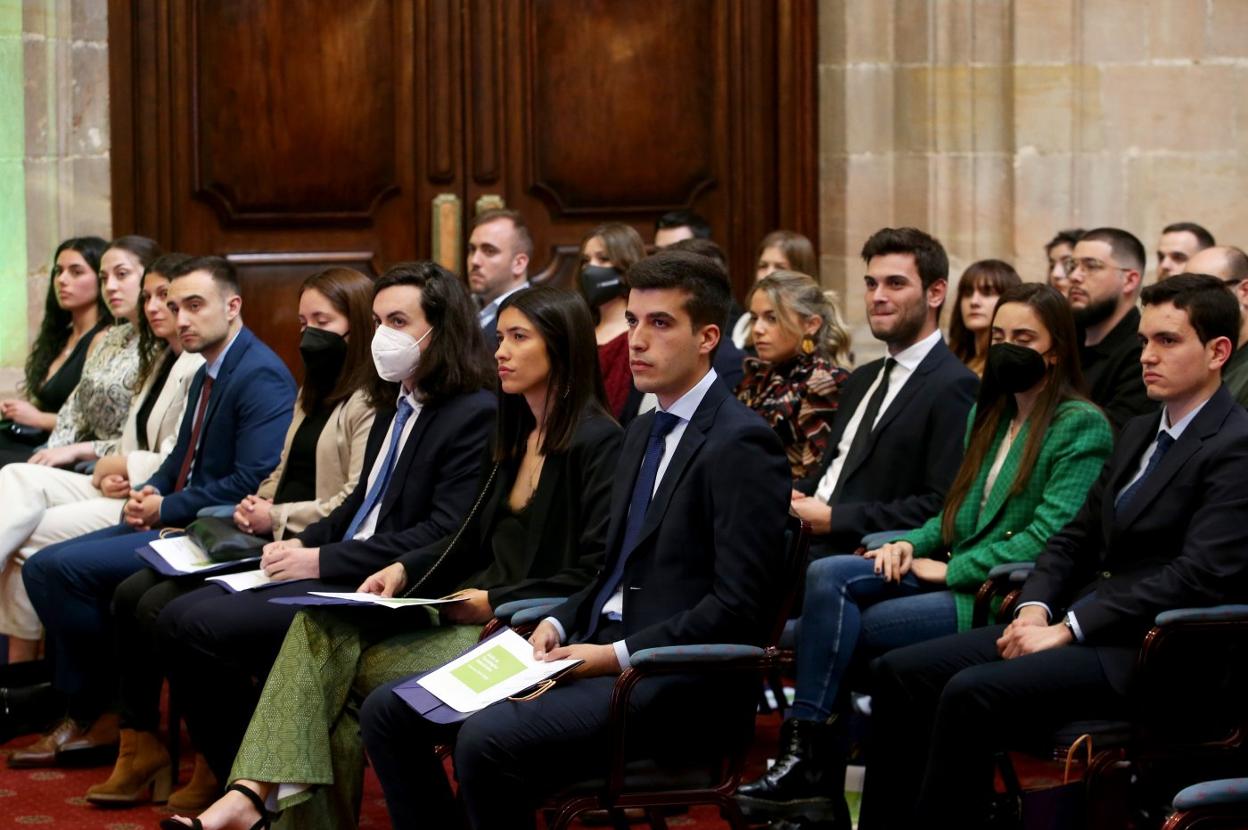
(387, 602)
(182, 554)
(245, 580)
(500, 667)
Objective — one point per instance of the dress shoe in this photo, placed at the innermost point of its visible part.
(199, 792)
(807, 781)
(43, 752)
(94, 747)
(142, 772)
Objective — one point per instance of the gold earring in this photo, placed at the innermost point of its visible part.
(808, 345)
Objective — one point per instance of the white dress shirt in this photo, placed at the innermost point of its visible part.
(369, 526)
(490, 311)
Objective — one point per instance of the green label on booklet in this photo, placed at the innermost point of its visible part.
(488, 669)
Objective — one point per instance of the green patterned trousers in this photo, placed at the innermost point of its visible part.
(305, 729)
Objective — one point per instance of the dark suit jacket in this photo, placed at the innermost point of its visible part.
(729, 364)
(429, 493)
(914, 452)
(702, 570)
(249, 409)
(1181, 542)
(565, 525)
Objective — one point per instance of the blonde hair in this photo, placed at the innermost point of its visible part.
(793, 294)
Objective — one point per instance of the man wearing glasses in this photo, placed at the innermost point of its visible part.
(1230, 264)
(1105, 276)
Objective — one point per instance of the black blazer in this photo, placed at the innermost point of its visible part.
(1179, 543)
(430, 492)
(566, 524)
(914, 452)
(729, 365)
(702, 570)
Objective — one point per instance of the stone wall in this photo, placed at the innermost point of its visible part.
(993, 123)
(65, 165)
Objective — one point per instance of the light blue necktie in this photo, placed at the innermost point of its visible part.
(387, 467)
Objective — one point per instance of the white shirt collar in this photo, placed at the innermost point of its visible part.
(493, 305)
(911, 356)
(688, 403)
(1176, 430)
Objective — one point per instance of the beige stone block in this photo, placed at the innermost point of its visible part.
(832, 32)
(1228, 23)
(90, 205)
(1206, 189)
(868, 110)
(1044, 32)
(868, 31)
(88, 129)
(1169, 107)
(834, 118)
(992, 99)
(1114, 31)
(868, 198)
(43, 232)
(912, 43)
(1044, 107)
(993, 208)
(1044, 187)
(914, 110)
(833, 212)
(912, 191)
(990, 32)
(1177, 28)
(951, 204)
(39, 17)
(1100, 190)
(951, 25)
(40, 138)
(89, 20)
(970, 108)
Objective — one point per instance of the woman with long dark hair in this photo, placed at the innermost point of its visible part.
(979, 290)
(74, 312)
(1034, 445)
(320, 466)
(537, 528)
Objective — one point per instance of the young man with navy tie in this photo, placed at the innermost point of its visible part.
(697, 517)
(1165, 526)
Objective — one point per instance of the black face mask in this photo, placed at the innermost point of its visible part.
(1015, 368)
(600, 284)
(323, 354)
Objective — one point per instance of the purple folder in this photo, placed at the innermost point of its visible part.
(425, 703)
(158, 563)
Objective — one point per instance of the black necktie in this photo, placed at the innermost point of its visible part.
(862, 438)
(1164, 441)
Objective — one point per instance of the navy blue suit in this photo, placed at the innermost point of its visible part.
(71, 583)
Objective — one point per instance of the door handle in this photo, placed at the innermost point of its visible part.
(447, 230)
(489, 201)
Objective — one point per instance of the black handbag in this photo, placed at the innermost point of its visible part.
(221, 541)
(1063, 807)
(23, 434)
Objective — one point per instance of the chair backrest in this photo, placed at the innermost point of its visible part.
(793, 560)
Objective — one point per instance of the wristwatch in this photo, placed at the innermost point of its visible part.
(1070, 627)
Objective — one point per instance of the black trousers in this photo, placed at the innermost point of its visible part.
(941, 709)
(218, 648)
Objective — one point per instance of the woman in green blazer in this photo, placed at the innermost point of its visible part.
(1034, 446)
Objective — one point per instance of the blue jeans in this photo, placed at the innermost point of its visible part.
(849, 609)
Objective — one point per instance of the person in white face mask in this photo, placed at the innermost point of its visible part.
(419, 478)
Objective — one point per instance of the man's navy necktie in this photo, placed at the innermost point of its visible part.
(383, 475)
(643, 489)
(1164, 441)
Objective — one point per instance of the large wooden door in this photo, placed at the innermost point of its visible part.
(295, 134)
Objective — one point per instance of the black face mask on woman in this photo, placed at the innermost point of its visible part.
(323, 353)
(601, 284)
(1015, 368)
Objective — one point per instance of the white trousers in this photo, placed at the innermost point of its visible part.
(38, 507)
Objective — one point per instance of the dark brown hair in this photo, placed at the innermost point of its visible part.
(351, 295)
(573, 388)
(1210, 305)
(796, 249)
(455, 360)
(992, 276)
(1063, 382)
(700, 277)
(54, 331)
(151, 347)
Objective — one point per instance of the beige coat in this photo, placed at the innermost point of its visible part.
(162, 424)
(339, 460)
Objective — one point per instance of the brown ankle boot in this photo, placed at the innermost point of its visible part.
(142, 773)
(199, 792)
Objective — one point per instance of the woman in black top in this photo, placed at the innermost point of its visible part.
(537, 528)
(74, 313)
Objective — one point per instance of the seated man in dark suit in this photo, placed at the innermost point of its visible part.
(896, 439)
(238, 410)
(697, 514)
(1165, 526)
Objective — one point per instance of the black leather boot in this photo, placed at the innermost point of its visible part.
(806, 782)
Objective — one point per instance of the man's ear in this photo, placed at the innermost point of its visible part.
(519, 264)
(936, 293)
(1131, 280)
(233, 306)
(1220, 350)
(708, 338)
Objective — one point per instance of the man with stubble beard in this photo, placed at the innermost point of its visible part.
(1104, 285)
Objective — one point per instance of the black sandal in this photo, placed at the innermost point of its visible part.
(256, 801)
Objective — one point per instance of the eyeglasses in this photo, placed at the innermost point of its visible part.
(1091, 266)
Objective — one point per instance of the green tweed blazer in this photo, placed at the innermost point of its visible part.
(1016, 528)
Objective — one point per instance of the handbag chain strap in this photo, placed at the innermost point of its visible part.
(480, 498)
